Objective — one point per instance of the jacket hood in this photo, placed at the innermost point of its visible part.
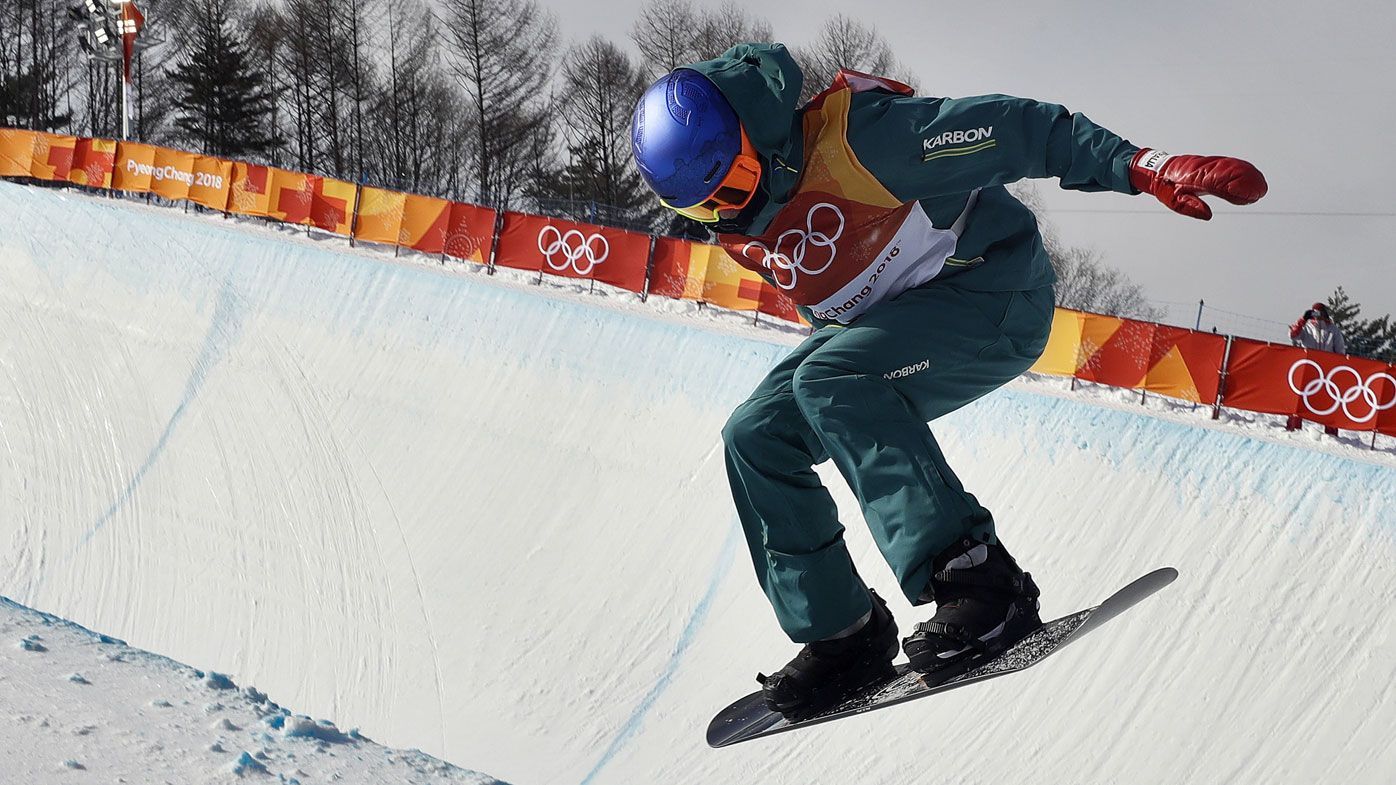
(762, 83)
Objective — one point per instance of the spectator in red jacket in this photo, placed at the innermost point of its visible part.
(1316, 330)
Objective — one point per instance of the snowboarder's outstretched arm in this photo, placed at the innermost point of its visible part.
(920, 148)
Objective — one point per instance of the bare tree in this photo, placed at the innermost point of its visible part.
(1084, 282)
(729, 24)
(416, 144)
(38, 64)
(326, 79)
(845, 42)
(671, 33)
(267, 42)
(501, 54)
(599, 89)
(663, 35)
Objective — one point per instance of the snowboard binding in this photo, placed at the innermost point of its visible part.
(984, 604)
(827, 672)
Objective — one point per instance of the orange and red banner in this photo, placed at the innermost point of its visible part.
(729, 285)
(573, 250)
(679, 267)
(686, 270)
(332, 204)
(1120, 352)
(1339, 391)
(93, 160)
(251, 189)
(16, 152)
(469, 232)
(52, 156)
(291, 194)
(172, 174)
(425, 220)
(1114, 351)
(380, 216)
(411, 221)
(213, 181)
(1062, 355)
(135, 167)
(1185, 364)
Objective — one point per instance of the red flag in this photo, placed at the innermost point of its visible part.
(132, 20)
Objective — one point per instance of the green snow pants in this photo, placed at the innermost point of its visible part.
(862, 395)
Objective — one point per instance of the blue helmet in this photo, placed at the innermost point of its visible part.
(685, 137)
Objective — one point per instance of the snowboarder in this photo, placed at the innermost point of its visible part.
(884, 216)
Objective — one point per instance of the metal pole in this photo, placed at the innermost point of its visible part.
(494, 241)
(649, 270)
(125, 100)
(354, 219)
(1200, 303)
(1221, 379)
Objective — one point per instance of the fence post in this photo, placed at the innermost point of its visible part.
(494, 241)
(354, 219)
(649, 270)
(1221, 378)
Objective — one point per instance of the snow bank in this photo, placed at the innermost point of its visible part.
(192, 732)
(490, 521)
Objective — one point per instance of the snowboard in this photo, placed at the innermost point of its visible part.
(749, 718)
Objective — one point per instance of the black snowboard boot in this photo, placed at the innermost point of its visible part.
(826, 672)
(984, 604)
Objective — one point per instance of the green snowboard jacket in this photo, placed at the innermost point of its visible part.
(867, 190)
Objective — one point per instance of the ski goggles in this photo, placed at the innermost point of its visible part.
(732, 194)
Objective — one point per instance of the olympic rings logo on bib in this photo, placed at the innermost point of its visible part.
(1327, 383)
(786, 266)
(581, 252)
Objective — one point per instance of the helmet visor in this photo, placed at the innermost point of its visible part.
(734, 192)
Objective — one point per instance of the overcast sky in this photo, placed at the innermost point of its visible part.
(1305, 92)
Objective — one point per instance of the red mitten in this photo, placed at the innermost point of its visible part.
(1179, 180)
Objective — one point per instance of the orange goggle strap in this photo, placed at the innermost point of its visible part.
(733, 193)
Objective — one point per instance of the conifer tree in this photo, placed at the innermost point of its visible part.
(222, 100)
(1373, 338)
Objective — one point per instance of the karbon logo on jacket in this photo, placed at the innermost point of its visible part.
(959, 142)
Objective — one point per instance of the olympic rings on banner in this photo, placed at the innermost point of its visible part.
(575, 247)
(1327, 383)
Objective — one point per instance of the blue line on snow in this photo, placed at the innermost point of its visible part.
(223, 329)
(695, 621)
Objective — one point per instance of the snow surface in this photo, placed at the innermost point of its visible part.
(489, 519)
(76, 706)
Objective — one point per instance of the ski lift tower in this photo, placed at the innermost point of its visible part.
(109, 30)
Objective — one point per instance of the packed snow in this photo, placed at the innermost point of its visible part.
(487, 518)
(77, 706)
